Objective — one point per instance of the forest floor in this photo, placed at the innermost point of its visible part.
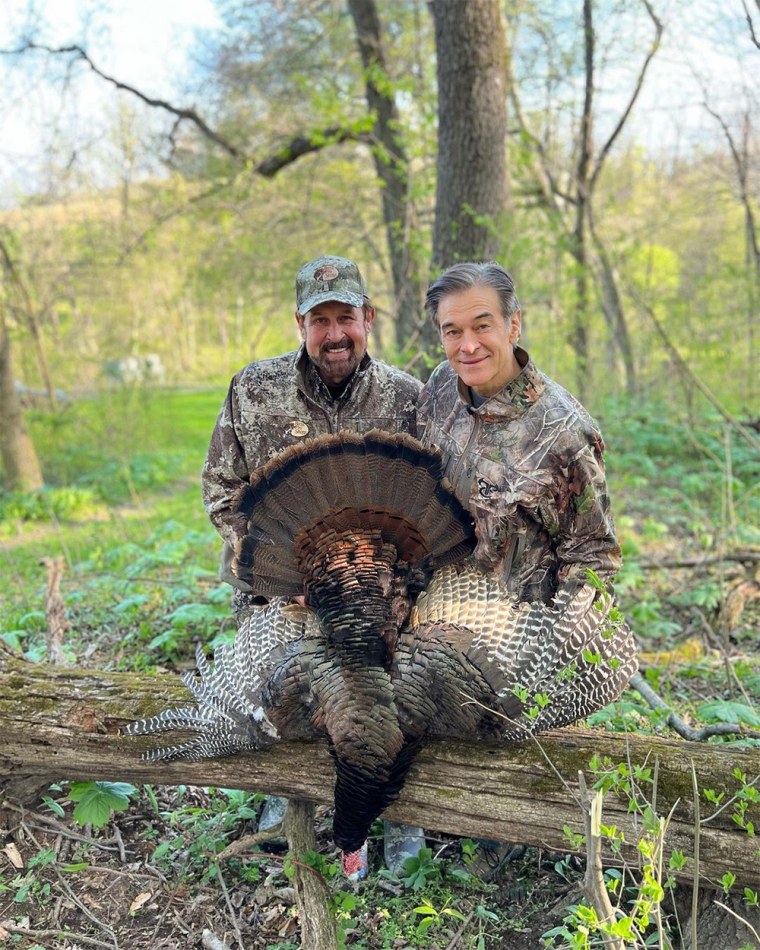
(109, 889)
(140, 590)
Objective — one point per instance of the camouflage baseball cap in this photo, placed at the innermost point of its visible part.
(329, 278)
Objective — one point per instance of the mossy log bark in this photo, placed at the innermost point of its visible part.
(62, 723)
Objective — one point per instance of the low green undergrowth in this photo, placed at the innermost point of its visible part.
(123, 511)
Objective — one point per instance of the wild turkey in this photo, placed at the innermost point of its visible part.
(397, 634)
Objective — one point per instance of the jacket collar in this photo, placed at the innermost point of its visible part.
(520, 394)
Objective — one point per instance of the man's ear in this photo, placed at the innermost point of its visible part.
(515, 325)
(369, 316)
(301, 327)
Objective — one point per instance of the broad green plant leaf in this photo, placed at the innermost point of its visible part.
(98, 800)
(724, 710)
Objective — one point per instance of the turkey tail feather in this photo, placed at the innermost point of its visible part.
(380, 481)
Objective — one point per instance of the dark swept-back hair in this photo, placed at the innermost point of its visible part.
(469, 274)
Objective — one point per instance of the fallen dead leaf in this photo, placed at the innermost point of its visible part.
(13, 855)
(140, 900)
(88, 899)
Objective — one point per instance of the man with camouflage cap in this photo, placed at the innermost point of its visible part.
(329, 384)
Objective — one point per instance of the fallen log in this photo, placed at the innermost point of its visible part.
(64, 724)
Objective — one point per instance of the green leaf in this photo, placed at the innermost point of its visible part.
(78, 789)
(426, 910)
(42, 858)
(98, 800)
(727, 881)
(724, 710)
(53, 806)
(23, 892)
(453, 913)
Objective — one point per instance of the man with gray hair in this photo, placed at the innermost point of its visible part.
(523, 455)
(330, 383)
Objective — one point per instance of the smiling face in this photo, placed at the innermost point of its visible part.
(335, 335)
(478, 340)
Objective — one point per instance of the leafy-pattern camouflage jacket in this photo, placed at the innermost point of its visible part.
(529, 465)
(279, 402)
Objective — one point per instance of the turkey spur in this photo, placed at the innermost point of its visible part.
(398, 641)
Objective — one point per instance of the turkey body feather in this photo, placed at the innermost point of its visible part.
(398, 640)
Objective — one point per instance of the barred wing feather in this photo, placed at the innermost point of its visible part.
(229, 714)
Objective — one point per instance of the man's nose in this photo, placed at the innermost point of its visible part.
(334, 333)
(469, 343)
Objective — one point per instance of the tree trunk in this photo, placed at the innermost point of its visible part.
(471, 190)
(583, 198)
(61, 723)
(580, 342)
(312, 894)
(22, 468)
(715, 928)
(392, 168)
(613, 310)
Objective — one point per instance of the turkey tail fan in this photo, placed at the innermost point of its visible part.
(230, 713)
(382, 481)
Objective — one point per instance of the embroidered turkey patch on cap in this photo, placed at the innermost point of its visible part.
(328, 272)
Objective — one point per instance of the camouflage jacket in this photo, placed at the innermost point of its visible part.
(528, 463)
(275, 403)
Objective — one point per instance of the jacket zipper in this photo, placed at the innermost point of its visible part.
(459, 464)
(328, 418)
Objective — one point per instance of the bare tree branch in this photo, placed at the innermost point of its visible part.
(548, 189)
(743, 557)
(740, 163)
(182, 113)
(29, 315)
(634, 96)
(300, 145)
(690, 374)
(750, 24)
(677, 723)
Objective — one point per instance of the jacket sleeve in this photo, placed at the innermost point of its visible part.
(225, 471)
(585, 532)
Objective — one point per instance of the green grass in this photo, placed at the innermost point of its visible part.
(123, 509)
(140, 545)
